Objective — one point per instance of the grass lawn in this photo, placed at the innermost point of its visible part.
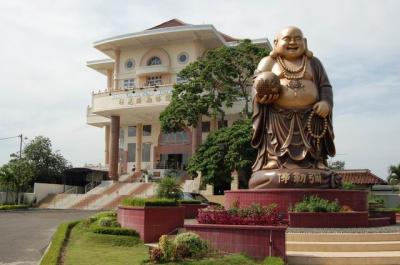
(87, 248)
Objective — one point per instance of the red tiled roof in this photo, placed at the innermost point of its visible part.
(170, 23)
(360, 176)
(227, 37)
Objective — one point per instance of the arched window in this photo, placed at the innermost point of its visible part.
(154, 61)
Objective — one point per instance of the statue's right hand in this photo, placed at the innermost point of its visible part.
(267, 99)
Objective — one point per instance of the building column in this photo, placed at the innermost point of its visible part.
(107, 144)
(196, 137)
(213, 124)
(109, 79)
(139, 135)
(114, 148)
(117, 54)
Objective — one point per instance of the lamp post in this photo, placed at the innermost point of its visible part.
(20, 136)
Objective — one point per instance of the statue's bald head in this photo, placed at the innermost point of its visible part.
(290, 44)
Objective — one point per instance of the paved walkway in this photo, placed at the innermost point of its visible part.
(25, 234)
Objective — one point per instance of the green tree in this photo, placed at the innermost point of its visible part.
(6, 180)
(17, 176)
(337, 165)
(48, 165)
(224, 151)
(394, 174)
(215, 81)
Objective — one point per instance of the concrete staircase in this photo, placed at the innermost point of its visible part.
(105, 196)
(343, 248)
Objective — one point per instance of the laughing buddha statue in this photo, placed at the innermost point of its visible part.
(292, 117)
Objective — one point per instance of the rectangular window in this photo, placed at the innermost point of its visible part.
(146, 152)
(180, 80)
(146, 130)
(129, 83)
(154, 80)
(121, 138)
(205, 126)
(132, 152)
(131, 131)
(222, 124)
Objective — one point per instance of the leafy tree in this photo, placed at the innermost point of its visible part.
(213, 82)
(394, 174)
(48, 165)
(17, 176)
(6, 179)
(169, 188)
(224, 151)
(337, 165)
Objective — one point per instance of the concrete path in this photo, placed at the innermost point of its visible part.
(25, 234)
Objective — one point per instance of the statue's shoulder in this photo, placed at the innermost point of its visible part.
(265, 64)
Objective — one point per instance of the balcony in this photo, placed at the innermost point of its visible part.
(95, 120)
(152, 69)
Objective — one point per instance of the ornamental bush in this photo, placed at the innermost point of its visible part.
(316, 204)
(141, 202)
(255, 214)
(113, 231)
(169, 188)
(108, 222)
(184, 246)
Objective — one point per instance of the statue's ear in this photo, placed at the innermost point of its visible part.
(308, 53)
(273, 53)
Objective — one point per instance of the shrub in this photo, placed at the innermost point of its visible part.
(169, 188)
(13, 207)
(141, 202)
(113, 231)
(273, 261)
(190, 245)
(316, 204)
(348, 185)
(255, 214)
(108, 222)
(190, 202)
(184, 246)
(375, 199)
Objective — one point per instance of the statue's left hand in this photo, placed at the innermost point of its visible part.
(322, 108)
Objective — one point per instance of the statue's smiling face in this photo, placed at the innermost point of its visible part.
(290, 43)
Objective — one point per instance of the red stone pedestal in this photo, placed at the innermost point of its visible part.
(284, 198)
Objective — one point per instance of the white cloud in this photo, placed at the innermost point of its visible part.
(45, 85)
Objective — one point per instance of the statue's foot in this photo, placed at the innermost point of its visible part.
(272, 164)
(321, 165)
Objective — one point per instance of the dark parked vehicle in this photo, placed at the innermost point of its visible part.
(197, 197)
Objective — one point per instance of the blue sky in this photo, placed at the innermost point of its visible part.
(46, 86)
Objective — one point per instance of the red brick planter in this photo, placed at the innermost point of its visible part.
(250, 239)
(284, 198)
(192, 210)
(319, 220)
(390, 214)
(151, 222)
(398, 218)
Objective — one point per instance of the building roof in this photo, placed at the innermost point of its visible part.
(360, 176)
(170, 23)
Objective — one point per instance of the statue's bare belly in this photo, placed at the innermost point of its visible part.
(297, 98)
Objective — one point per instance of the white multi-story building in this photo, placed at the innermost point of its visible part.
(141, 69)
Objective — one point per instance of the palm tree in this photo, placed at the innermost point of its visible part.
(394, 174)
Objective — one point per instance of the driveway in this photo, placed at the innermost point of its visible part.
(25, 234)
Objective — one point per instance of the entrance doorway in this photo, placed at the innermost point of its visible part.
(173, 161)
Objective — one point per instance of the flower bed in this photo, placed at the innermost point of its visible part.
(255, 214)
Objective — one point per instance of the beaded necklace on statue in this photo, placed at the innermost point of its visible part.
(316, 136)
(293, 75)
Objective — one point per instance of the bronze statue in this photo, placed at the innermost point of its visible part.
(292, 117)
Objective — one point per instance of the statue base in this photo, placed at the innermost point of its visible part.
(294, 178)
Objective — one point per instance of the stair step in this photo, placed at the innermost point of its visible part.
(343, 258)
(342, 237)
(343, 246)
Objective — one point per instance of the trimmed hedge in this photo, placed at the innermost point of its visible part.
(141, 202)
(52, 255)
(13, 207)
(113, 231)
(190, 202)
